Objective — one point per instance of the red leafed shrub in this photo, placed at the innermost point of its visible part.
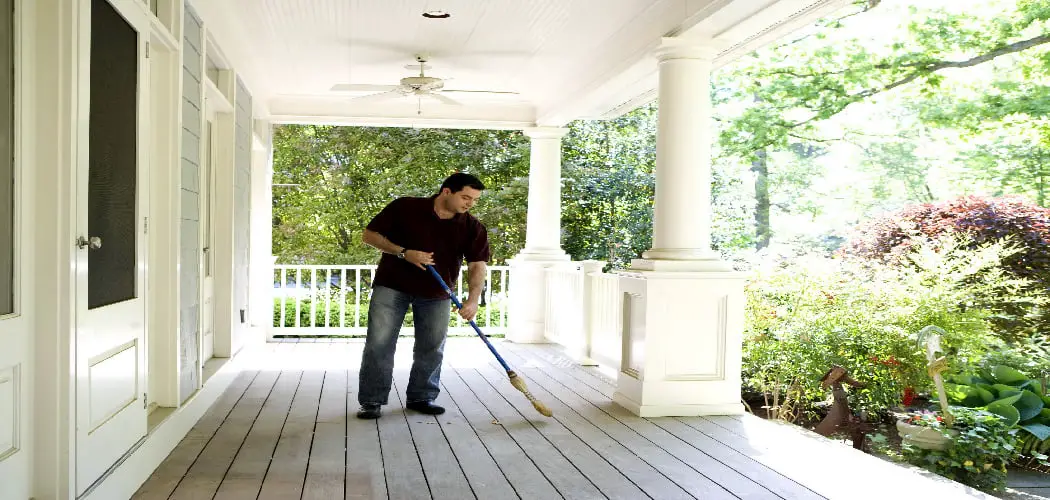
(982, 220)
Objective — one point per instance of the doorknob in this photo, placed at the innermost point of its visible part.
(93, 242)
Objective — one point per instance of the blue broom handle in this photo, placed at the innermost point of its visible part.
(434, 273)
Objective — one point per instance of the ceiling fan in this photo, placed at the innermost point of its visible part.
(419, 86)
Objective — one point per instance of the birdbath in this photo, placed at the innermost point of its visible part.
(928, 437)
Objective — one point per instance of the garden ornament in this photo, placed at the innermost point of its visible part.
(841, 417)
(938, 365)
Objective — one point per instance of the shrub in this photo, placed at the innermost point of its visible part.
(891, 239)
(816, 312)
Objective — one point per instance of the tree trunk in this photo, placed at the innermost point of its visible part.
(760, 166)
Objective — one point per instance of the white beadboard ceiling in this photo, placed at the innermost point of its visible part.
(554, 60)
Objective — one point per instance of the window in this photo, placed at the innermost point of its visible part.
(7, 163)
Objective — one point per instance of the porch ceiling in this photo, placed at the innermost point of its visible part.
(558, 60)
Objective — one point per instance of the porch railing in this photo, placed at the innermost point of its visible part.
(583, 311)
(333, 300)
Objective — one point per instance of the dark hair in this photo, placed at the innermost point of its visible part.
(459, 180)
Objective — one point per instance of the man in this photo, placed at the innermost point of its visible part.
(412, 233)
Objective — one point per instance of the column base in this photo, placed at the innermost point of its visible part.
(680, 259)
(541, 255)
(676, 410)
(683, 342)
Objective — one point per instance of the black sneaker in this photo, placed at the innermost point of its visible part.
(369, 412)
(426, 407)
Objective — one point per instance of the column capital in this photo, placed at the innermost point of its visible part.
(681, 48)
(545, 132)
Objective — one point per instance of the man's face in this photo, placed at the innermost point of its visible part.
(463, 200)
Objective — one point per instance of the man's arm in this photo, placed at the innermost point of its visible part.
(380, 242)
(476, 273)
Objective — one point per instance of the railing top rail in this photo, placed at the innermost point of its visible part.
(355, 266)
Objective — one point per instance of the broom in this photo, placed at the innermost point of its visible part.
(515, 380)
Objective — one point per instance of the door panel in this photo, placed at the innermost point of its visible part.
(111, 412)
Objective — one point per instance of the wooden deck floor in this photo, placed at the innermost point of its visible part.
(285, 429)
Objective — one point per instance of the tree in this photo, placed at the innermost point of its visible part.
(330, 181)
(795, 92)
(607, 200)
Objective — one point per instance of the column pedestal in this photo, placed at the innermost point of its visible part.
(682, 333)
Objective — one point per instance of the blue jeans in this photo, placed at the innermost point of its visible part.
(386, 313)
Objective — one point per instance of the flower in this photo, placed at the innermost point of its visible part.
(968, 463)
(909, 396)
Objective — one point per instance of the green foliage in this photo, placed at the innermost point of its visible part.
(795, 85)
(1019, 232)
(330, 181)
(607, 200)
(815, 312)
(982, 446)
(1004, 390)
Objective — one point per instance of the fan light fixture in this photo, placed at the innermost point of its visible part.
(436, 14)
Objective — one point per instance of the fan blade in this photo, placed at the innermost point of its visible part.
(444, 99)
(352, 87)
(377, 97)
(480, 92)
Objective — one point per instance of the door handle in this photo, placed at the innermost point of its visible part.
(94, 242)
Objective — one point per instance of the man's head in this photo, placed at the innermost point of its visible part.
(459, 192)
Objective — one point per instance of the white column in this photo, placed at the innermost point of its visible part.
(683, 307)
(260, 294)
(528, 292)
(682, 205)
(543, 224)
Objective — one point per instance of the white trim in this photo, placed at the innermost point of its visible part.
(54, 67)
(222, 195)
(215, 101)
(162, 341)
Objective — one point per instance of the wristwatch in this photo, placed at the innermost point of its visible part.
(401, 254)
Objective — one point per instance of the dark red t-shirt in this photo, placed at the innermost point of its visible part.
(412, 223)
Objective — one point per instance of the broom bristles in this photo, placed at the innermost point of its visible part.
(519, 384)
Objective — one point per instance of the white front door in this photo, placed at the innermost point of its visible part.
(207, 243)
(110, 263)
(14, 264)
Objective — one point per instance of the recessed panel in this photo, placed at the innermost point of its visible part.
(113, 383)
(9, 411)
(633, 334)
(698, 353)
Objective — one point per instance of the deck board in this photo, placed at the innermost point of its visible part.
(285, 428)
(206, 474)
(245, 476)
(365, 470)
(173, 469)
(507, 466)
(325, 472)
(441, 466)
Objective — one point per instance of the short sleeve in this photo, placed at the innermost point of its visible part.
(478, 246)
(385, 221)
